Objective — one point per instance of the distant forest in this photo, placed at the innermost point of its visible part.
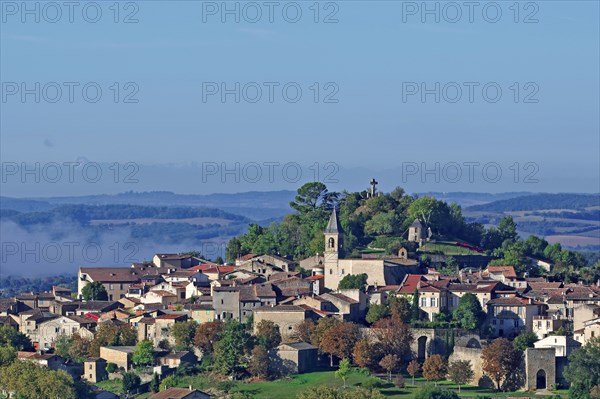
(83, 214)
(540, 201)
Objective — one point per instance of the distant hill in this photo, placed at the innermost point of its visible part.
(539, 202)
(255, 205)
(24, 204)
(466, 199)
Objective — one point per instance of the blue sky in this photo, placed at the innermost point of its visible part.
(367, 57)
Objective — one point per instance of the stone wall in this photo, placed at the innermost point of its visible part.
(474, 356)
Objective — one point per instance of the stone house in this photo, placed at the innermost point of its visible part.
(296, 358)
(175, 359)
(119, 355)
(201, 313)
(286, 317)
(116, 280)
(563, 345)
(509, 316)
(94, 370)
(346, 307)
(226, 302)
(163, 324)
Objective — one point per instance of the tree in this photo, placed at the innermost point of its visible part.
(343, 371)
(583, 371)
(468, 312)
(131, 382)
(15, 339)
(143, 353)
(259, 362)
(400, 306)
(207, 335)
(229, 351)
(79, 349)
(389, 363)
(363, 353)
(377, 312)
(460, 372)
(326, 392)
(413, 369)
(435, 368)
(30, 380)
(169, 382)
(429, 391)
(303, 330)
(312, 196)
(525, 340)
(339, 340)
(414, 307)
(7, 355)
(507, 228)
(322, 326)
(108, 334)
(500, 360)
(267, 334)
(62, 345)
(184, 334)
(353, 281)
(94, 292)
(155, 383)
(394, 336)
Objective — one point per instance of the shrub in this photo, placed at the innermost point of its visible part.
(399, 381)
(373, 383)
(111, 368)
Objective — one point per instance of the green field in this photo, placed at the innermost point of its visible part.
(447, 248)
(291, 387)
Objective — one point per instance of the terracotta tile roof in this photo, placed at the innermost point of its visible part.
(512, 301)
(280, 308)
(410, 283)
(341, 297)
(506, 271)
(161, 293)
(247, 257)
(171, 316)
(544, 285)
(112, 274)
(173, 256)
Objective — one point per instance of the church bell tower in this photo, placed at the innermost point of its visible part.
(332, 238)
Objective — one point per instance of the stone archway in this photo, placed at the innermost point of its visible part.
(540, 379)
(422, 347)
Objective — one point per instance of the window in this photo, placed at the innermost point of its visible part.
(330, 271)
(343, 272)
(91, 367)
(221, 301)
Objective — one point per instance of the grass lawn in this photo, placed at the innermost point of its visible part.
(291, 387)
(114, 386)
(447, 247)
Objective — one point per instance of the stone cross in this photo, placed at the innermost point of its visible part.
(374, 184)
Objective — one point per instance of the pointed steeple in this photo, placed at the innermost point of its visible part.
(333, 227)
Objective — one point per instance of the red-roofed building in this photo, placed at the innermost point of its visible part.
(511, 315)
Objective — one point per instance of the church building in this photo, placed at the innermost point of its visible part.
(380, 272)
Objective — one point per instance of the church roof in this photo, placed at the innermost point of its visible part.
(333, 226)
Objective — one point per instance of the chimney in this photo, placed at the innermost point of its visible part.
(190, 387)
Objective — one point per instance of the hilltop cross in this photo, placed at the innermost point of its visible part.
(374, 184)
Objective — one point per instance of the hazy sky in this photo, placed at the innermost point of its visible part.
(368, 71)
